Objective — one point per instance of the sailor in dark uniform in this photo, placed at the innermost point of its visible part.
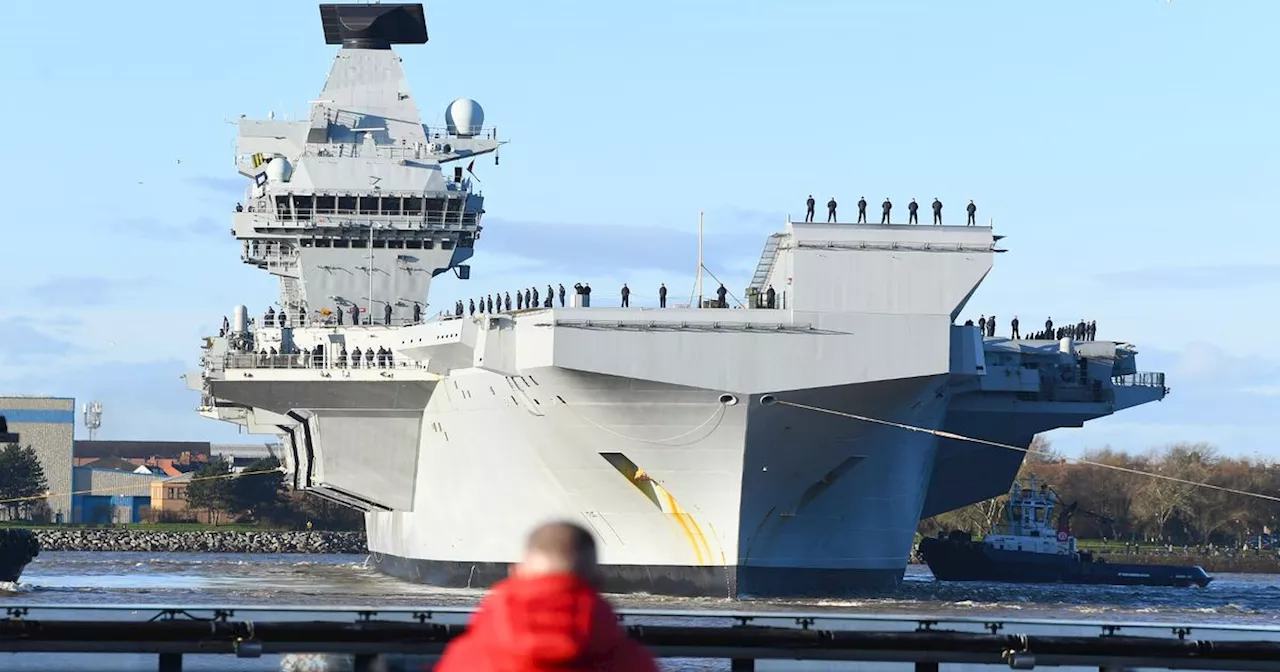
(982, 325)
(561, 295)
(519, 300)
(912, 208)
(356, 356)
(472, 307)
(1048, 327)
(808, 209)
(489, 303)
(937, 212)
(626, 296)
(1014, 324)
(973, 211)
(386, 314)
(721, 294)
(534, 302)
(991, 326)
(862, 210)
(507, 300)
(662, 290)
(886, 207)
(551, 296)
(528, 298)
(770, 298)
(831, 210)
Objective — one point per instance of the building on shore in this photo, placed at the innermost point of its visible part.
(112, 496)
(48, 425)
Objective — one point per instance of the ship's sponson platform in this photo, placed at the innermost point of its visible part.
(674, 580)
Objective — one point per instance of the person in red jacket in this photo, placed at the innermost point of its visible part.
(548, 615)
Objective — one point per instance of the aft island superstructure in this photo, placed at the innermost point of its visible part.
(696, 442)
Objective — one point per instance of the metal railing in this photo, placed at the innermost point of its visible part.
(367, 633)
(326, 361)
(1140, 379)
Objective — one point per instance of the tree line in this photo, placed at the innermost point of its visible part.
(1127, 507)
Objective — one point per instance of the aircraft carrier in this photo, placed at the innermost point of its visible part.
(673, 433)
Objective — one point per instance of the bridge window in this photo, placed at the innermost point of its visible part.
(346, 205)
(368, 205)
(326, 205)
(413, 206)
(303, 207)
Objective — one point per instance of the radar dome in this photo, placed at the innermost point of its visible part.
(278, 169)
(464, 117)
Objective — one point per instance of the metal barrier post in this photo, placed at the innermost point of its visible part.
(171, 662)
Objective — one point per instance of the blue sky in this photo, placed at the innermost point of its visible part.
(1126, 148)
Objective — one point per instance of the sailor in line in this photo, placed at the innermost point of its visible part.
(862, 210)
(721, 292)
(886, 207)
(1014, 335)
(972, 210)
(519, 300)
(912, 207)
(472, 307)
(561, 295)
(662, 291)
(507, 300)
(551, 296)
(528, 298)
(626, 296)
(808, 209)
(831, 210)
(937, 212)
(770, 297)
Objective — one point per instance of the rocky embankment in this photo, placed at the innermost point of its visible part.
(201, 542)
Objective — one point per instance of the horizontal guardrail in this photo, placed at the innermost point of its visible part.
(741, 637)
(1140, 379)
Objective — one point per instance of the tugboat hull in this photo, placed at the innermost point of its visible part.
(959, 559)
(17, 549)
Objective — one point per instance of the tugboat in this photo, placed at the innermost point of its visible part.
(18, 547)
(1029, 550)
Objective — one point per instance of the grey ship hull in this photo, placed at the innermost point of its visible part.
(755, 500)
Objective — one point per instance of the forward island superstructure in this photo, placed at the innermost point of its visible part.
(693, 441)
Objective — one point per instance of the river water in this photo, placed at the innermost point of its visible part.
(345, 580)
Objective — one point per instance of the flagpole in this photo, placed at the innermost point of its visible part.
(699, 259)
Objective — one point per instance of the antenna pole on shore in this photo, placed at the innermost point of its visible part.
(699, 259)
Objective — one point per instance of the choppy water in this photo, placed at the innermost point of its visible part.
(344, 580)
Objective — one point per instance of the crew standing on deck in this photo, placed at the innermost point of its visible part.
(662, 291)
(1014, 324)
(562, 295)
(626, 296)
(937, 212)
(507, 300)
(519, 300)
(533, 303)
(862, 210)
(831, 210)
(770, 297)
(887, 206)
(386, 314)
(912, 208)
(528, 298)
(991, 326)
(808, 209)
(973, 211)
(550, 297)
(472, 307)
(721, 293)
(982, 325)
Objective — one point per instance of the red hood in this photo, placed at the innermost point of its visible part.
(549, 621)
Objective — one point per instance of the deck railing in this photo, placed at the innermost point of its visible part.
(1140, 379)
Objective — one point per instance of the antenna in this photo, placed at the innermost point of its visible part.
(699, 259)
(92, 412)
